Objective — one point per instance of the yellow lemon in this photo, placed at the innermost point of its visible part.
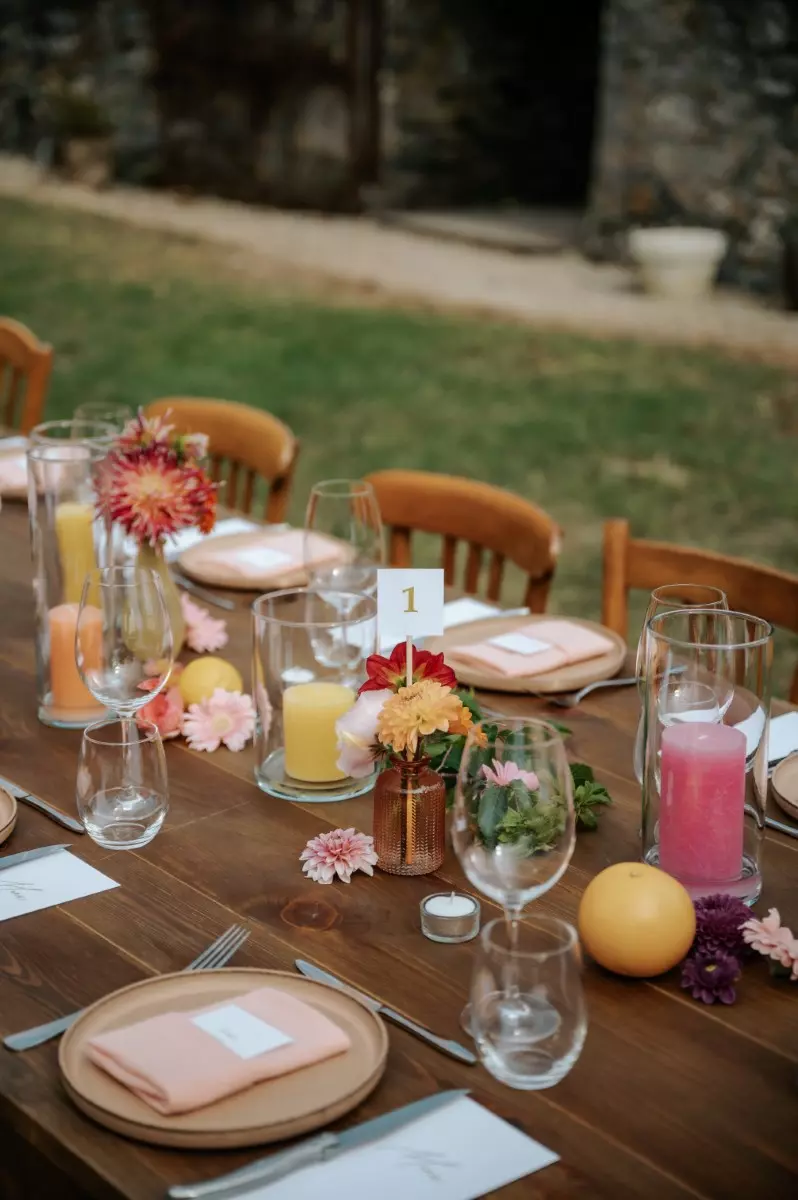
(202, 677)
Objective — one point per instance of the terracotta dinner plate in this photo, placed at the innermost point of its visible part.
(268, 1112)
(8, 815)
(208, 562)
(564, 679)
(785, 785)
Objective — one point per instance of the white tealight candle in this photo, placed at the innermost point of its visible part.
(449, 906)
(450, 917)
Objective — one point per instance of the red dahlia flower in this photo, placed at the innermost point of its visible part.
(392, 672)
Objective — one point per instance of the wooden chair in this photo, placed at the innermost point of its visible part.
(486, 518)
(25, 366)
(634, 563)
(244, 445)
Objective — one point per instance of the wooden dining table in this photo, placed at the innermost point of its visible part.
(670, 1098)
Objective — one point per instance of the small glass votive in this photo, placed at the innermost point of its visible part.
(450, 917)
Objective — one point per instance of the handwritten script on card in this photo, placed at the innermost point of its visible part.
(459, 1152)
(56, 879)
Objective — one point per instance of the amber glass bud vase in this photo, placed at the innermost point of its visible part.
(409, 818)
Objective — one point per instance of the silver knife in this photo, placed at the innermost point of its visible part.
(49, 810)
(453, 1049)
(314, 1150)
(14, 860)
(188, 585)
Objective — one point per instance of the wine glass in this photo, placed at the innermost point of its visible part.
(514, 827)
(122, 789)
(123, 645)
(665, 599)
(544, 963)
(344, 542)
(113, 413)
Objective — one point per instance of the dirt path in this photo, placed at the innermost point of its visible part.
(559, 291)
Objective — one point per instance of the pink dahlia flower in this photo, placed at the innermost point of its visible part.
(504, 773)
(340, 852)
(224, 718)
(774, 940)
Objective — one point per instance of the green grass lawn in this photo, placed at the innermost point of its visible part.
(692, 446)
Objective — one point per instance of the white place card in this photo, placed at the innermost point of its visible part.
(460, 612)
(262, 558)
(241, 1031)
(460, 1152)
(519, 643)
(56, 879)
(409, 604)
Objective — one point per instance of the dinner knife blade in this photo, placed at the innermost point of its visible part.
(314, 1150)
(311, 971)
(15, 860)
(445, 1045)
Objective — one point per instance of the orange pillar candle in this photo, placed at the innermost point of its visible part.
(69, 696)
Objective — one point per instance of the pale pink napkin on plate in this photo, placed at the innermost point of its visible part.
(175, 1066)
(566, 643)
(269, 558)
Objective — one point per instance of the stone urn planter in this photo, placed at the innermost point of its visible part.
(88, 160)
(679, 261)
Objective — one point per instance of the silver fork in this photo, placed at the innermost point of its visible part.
(216, 955)
(571, 699)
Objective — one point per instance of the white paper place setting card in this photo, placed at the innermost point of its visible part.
(44, 882)
(460, 1152)
(519, 643)
(783, 737)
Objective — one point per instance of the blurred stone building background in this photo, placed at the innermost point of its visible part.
(624, 111)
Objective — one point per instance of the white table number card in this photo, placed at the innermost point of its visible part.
(409, 604)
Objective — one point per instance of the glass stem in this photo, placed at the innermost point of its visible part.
(512, 915)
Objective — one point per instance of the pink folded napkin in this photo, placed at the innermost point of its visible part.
(181, 1061)
(274, 559)
(563, 643)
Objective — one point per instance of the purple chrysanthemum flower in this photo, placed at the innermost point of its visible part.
(718, 920)
(711, 977)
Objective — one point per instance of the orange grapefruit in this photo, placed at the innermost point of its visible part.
(636, 920)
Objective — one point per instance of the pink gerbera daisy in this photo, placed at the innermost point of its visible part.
(504, 773)
(339, 852)
(224, 718)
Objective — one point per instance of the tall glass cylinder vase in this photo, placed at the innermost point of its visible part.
(707, 713)
(67, 542)
(309, 659)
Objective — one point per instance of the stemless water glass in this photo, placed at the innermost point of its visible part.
(122, 790)
(540, 960)
(124, 637)
(665, 599)
(514, 828)
(344, 543)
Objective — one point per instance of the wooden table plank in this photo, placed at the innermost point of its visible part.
(669, 1099)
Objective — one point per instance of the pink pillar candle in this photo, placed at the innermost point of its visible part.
(702, 797)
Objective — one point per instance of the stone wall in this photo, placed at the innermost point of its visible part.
(699, 124)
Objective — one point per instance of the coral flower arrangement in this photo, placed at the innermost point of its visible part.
(153, 483)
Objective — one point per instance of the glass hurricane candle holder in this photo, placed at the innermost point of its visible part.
(68, 541)
(309, 659)
(707, 712)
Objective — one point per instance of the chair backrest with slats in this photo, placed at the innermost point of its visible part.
(631, 563)
(25, 366)
(244, 445)
(486, 518)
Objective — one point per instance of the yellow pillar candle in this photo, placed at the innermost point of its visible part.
(74, 529)
(310, 711)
